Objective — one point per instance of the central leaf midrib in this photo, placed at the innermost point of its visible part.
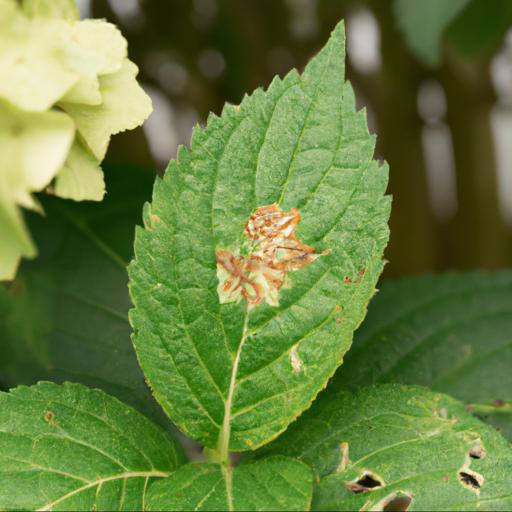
(234, 370)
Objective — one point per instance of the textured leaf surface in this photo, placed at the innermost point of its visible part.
(73, 448)
(392, 443)
(302, 145)
(276, 483)
(452, 333)
(65, 317)
(423, 24)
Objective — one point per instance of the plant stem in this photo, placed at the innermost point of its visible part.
(491, 408)
(225, 433)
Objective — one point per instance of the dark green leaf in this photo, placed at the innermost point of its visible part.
(276, 483)
(68, 447)
(481, 27)
(452, 333)
(390, 446)
(423, 23)
(65, 316)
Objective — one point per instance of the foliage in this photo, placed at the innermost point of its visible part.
(424, 22)
(260, 252)
(64, 85)
(450, 333)
(390, 444)
(75, 294)
(229, 374)
(472, 26)
(72, 448)
(276, 483)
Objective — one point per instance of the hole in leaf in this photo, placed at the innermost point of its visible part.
(397, 503)
(477, 451)
(366, 482)
(471, 479)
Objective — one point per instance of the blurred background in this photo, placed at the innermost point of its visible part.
(443, 113)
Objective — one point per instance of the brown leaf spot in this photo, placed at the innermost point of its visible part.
(273, 252)
(49, 417)
(295, 360)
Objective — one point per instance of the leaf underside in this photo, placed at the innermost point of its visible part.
(277, 483)
(452, 333)
(389, 444)
(301, 144)
(69, 447)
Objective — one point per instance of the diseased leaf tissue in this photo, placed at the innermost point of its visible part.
(258, 269)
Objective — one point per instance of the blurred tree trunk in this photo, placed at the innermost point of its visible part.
(391, 95)
(479, 229)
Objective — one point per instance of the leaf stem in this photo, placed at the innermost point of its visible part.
(225, 433)
(491, 408)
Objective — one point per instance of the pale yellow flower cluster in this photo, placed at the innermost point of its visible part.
(66, 86)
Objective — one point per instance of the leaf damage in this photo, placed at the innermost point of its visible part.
(270, 250)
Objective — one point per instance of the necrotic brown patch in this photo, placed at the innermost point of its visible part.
(272, 252)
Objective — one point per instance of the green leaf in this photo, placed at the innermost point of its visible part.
(481, 27)
(423, 23)
(73, 448)
(276, 483)
(65, 317)
(97, 123)
(33, 147)
(61, 9)
(81, 178)
(222, 375)
(390, 446)
(451, 332)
